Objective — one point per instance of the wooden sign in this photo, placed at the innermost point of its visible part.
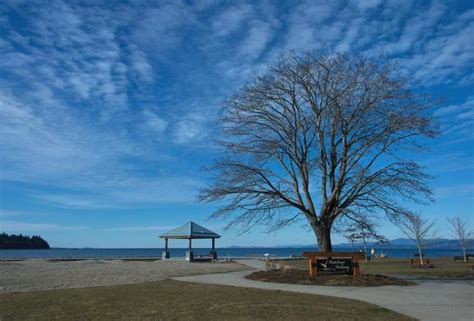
(334, 262)
(334, 266)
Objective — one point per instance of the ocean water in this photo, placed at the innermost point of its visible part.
(180, 252)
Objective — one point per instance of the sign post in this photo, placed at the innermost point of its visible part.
(334, 262)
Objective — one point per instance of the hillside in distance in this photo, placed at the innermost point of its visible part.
(404, 243)
(400, 243)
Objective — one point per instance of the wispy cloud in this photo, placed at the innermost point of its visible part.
(459, 191)
(21, 227)
(193, 127)
(231, 19)
(138, 228)
(459, 110)
(16, 213)
(257, 40)
(415, 28)
(427, 38)
(450, 162)
(367, 4)
(126, 193)
(154, 122)
(457, 121)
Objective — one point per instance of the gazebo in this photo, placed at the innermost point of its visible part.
(190, 231)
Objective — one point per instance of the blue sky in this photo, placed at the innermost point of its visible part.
(108, 110)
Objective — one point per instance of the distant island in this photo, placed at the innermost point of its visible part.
(401, 243)
(17, 242)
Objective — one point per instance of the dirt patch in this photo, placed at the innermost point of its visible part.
(294, 276)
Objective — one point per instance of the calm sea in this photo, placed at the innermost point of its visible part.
(180, 252)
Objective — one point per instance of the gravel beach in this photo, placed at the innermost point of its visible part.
(30, 275)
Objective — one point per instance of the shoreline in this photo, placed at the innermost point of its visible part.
(181, 258)
(142, 258)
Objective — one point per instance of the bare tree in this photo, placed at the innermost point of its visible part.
(464, 235)
(317, 137)
(362, 229)
(351, 236)
(418, 229)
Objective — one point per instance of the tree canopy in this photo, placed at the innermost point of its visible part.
(14, 241)
(319, 137)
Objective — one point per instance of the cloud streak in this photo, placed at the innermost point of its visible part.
(138, 228)
(21, 227)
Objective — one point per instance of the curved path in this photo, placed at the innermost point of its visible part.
(429, 300)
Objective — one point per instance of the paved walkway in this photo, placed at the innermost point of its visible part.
(430, 300)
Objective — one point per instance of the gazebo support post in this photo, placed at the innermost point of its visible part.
(166, 254)
(213, 251)
(189, 253)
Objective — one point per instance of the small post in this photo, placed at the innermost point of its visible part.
(213, 250)
(356, 264)
(313, 269)
(189, 254)
(165, 255)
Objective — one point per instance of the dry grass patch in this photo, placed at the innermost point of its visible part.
(174, 300)
(444, 267)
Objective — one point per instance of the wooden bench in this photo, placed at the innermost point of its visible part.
(313, 257)
(415, 262)
(461, 258)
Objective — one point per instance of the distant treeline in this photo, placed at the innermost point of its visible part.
(22, 242)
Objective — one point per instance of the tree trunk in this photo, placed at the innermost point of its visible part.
(464, 253)
(365, 250)
(420, 253)
(323, 234)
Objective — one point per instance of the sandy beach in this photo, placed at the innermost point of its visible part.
(30, 275)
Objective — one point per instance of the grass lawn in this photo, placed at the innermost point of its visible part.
(174, 300)
(443, 267)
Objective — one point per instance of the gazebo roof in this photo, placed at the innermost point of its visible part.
(190, 230)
